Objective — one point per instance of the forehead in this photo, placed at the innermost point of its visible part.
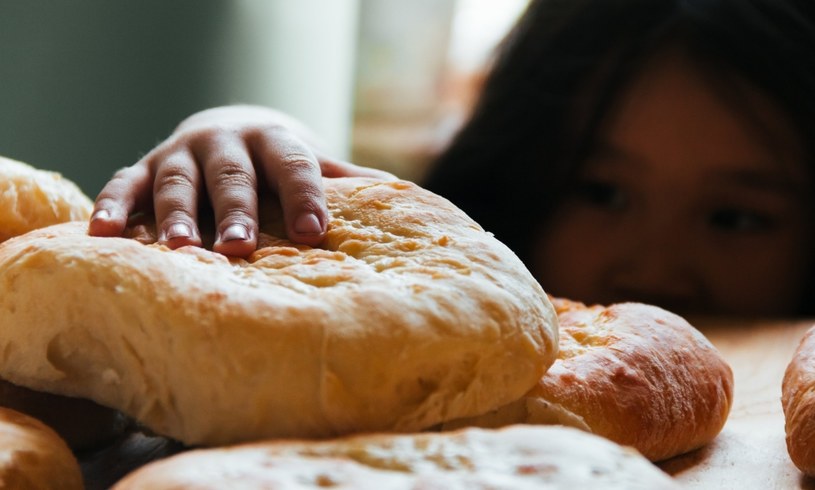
(675, 110)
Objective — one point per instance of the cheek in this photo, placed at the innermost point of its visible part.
(765, 279)
(567, 261)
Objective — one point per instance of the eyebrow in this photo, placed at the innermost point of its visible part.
(606, 150)
(768, 181)
(761, 180)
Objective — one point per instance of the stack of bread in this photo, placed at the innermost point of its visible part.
(409, 318)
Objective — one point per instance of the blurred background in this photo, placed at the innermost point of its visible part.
(89, 86)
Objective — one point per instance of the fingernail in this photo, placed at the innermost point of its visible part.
(234, 232)
(178, 230)
(102, 214)
(308, 224)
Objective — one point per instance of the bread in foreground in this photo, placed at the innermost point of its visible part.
(513, 458)
(633, 373)
(30, 199)
(33, 456)
(409, 316)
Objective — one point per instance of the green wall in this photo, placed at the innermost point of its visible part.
(88, 86)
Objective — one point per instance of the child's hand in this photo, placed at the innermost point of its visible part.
(224, 153)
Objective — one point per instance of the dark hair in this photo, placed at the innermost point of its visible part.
(508, 166)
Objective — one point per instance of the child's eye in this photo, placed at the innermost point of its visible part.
(739, 220)
(601, 194)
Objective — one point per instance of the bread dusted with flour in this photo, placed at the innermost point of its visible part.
(514, 458)
(634, 373)
(409, 315)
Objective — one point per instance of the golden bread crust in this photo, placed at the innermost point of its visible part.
(33, 457)
(514, 458)
(633, 373)
(31, 198)
(798, 401)
(409, 315)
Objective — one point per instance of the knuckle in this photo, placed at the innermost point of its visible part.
(298, 158)
(305, 196)
(200, 134)
(124, 184)
(232, 173)
(237, 215)
(306, 192)
(178, 214)
(174, 204)
(174, 176)
(122, 173)
(271, 131)
(297, 164)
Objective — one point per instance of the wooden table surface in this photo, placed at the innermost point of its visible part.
(749, 453)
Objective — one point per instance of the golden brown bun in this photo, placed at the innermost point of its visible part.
(633, 373)
(798, 400)
(33, 457)
(31, 199)
(83, 424)
(411, 315)
(514, 458)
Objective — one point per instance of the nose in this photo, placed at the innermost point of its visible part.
(656, 266)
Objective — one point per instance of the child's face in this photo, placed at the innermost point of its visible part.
(689, 202)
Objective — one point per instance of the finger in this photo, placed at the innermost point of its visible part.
(292, 169)
(129, 189)
(232, 186)
(336, 168)
(175, 199)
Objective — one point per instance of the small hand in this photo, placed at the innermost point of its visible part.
(225, 153)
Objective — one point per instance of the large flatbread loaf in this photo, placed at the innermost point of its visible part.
(409, 315)
(515, 458)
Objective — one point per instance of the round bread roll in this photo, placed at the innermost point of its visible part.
(514, 458)
(798, 401)
(32, 198)
(633, 373)
(408, 316)
(33, 456)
